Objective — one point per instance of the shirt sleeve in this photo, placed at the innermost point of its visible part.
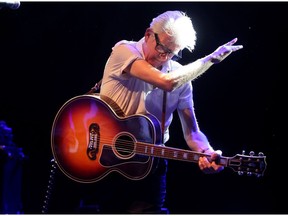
(186, 97)
(123, 54)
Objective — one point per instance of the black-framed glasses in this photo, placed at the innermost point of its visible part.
(161, 49)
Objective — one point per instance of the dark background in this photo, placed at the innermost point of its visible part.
(53, 51)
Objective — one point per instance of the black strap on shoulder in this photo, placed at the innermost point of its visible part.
(95, 88)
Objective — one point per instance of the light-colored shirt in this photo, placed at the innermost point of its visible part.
(135, 96)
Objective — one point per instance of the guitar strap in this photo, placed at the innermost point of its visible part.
(95, 88)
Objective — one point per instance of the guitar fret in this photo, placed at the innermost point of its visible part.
(195, 157)
(175, 154)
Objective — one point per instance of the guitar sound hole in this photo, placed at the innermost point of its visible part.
(124, 145)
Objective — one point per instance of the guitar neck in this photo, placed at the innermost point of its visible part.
(174, 153)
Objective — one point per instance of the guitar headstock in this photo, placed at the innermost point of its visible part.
(248, 164)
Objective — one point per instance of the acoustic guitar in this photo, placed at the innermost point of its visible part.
(91, 137)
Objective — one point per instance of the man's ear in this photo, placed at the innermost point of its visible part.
(148, 32)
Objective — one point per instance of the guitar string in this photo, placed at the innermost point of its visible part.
(123, 146)
(144, 148)
(170, 152)
(138, 147)
(150, 149)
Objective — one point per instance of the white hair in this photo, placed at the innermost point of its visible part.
(176, 24)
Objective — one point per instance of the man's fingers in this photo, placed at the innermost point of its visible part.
(235, 48)
(231, 42)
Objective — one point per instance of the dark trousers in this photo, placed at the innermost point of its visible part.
(116, 194)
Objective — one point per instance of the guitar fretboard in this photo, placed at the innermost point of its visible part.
(173, 153)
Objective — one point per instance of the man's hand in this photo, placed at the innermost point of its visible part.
(223, 51)
(209, 167)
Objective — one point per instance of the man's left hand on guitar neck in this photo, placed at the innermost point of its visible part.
(210, 166)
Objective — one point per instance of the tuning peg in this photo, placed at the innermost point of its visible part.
(252, 153)
(243, 152)
(261, 154)
(240, 172)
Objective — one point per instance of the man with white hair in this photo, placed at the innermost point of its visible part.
(144, 77)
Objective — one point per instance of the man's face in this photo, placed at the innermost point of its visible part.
(160, 48)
